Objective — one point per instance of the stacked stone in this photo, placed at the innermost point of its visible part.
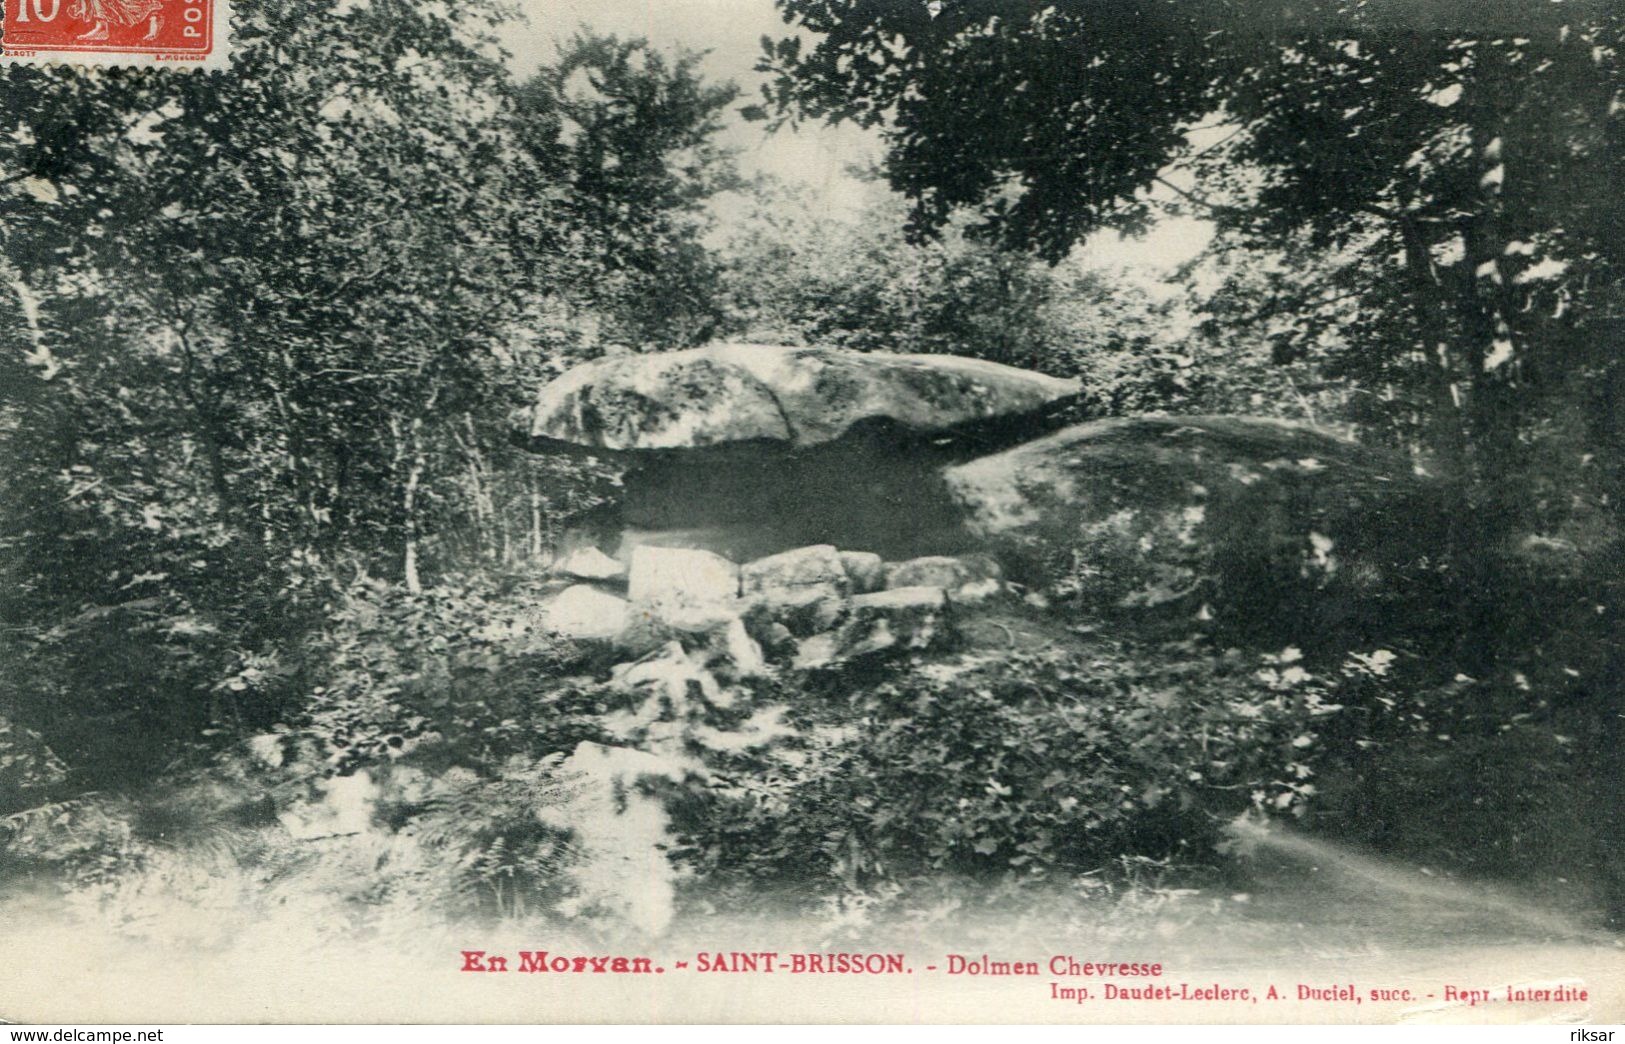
(806, 608)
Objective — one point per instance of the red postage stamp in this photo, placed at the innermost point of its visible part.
(116, 32)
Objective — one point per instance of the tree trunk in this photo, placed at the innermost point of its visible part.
(480, 494)
(1492, 351)
(535, 523)
(208, 426)
(412, 451)
(409, 500)
(1444, 422)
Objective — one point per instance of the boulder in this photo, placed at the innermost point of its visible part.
(683, 589)
(589, 563)
(948, 572)
(969, 579)
(865, 570)
(798, 396)
(731, 649)
(1281, 523)
(804, 589)
(787, 576)
(907, 618)
(667, 673)
(583, 611)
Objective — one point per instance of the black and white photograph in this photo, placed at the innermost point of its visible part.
(530, 512)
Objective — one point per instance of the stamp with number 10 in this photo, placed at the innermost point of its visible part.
(115, 32)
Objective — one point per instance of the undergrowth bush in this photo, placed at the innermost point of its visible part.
(462, 667)
(1504, 777)
(1027, 770)
(446, 711)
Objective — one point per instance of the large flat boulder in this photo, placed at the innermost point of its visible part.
(683, 589)
(1281, 523)
(795, 396)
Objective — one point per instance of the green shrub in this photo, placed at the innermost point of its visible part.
(1029, 769)
(462, 668)
(1513, 777)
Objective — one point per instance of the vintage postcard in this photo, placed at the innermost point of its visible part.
(811, 511)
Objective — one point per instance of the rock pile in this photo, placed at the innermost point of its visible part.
(695, 628)
(807, 608)
(806, 465)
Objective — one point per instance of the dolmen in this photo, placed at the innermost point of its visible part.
(825, 504)
(813, 510)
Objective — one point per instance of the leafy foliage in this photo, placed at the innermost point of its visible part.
(1039, 767)
(465, 673)
(631, 136)
(1453, 173)
(796, 275)
(266, 330)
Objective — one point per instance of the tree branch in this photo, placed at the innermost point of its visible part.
(1212, 207)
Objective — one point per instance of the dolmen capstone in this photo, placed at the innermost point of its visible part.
(748, 450)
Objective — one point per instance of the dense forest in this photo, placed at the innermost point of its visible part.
(265, 525)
